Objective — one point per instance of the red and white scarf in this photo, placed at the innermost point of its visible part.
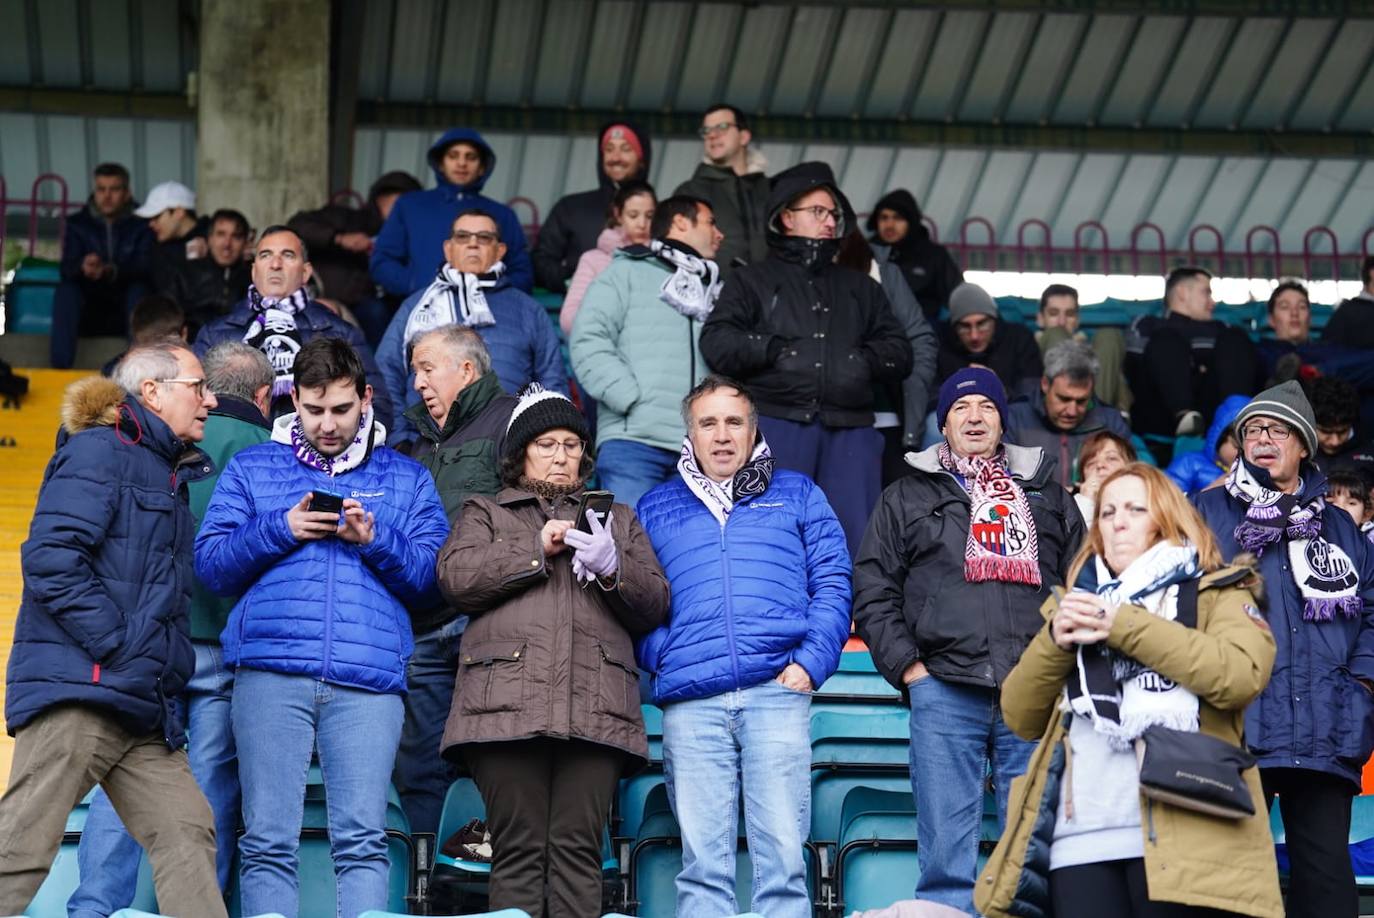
(1001, 538)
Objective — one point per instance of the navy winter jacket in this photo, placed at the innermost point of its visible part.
(316, 322)
(523, 345)
(769, 588)
(410, 247)
(1313, 714)
(107, 569)
(327, 609)
(127, 243)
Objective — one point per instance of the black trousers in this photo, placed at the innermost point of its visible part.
(1113, 889)
(1316, 820)
(1168, 381)
(547, 804)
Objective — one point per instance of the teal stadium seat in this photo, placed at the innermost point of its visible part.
(504, 913)
(28, 299)
(875, 863)
(855, 750)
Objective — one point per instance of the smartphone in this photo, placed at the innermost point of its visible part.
(596, 501)
(325, 502)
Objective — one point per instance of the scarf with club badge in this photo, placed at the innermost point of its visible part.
(1001, 543)
(720, 497)
(273, 331)
(1325, 576)
(454, 297)
(1121, 696)
(693, 286)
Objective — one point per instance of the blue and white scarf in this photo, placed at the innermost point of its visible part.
(455, 297)
(720, 497)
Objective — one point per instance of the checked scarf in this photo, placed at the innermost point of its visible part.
(1001, 542)
(720, 497)
(1325, 576)
(273, 331)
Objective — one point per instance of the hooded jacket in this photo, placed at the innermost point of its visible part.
(809, 338)
(1195, 470)
(326, 608)
(926, 265)
(577, 220)
(125, 242)
(1313, 713)
(1352, 324)
(1028, 424)
(740, 206)
(410, 247)
(911, 601)
(107, 569)
(523, 346)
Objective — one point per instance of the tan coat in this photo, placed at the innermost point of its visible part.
(544, 655)
(1190, 858)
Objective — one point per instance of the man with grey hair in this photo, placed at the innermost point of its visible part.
(102, 646)
(1062, 416)
(240, 376)
(461, 420)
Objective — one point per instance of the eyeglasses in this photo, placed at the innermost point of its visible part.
(706, 130)
(198, 382)
(463, 237)
(818, 212)
(1276, 432)
(547, 447)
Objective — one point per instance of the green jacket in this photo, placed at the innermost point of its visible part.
(740, 206)
(232, 426)
(635, 354)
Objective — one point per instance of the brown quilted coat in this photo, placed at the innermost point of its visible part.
(544, 655)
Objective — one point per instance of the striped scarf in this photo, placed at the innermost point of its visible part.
(1001, 543)
(273, 331)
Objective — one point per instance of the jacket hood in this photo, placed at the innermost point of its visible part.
(1226, 413)
(904, 203)
(92, 402)
(1026, 463)
(99, 402)
(754, 162)
(602, 179)
(791, 184)
(448, 139)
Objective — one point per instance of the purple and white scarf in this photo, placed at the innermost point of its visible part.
(371, 433)
(1002, 543)
(273, 331)
(720, 497)
(1325, 576)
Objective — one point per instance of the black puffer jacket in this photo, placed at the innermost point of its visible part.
(809, 338)
(578, 219)
(911, 601)
(929, 269)
(205, 290)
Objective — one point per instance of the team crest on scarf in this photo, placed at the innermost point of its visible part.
(997, 528)
(1001, 541)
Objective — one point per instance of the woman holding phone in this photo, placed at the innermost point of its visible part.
(546, 712)
(1081, 837)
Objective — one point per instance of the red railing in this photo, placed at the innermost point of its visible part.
(1274, 248)
(1163, 252)
(1046, 240)
(1080, 251)
(1308, 254)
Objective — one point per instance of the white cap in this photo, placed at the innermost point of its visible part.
(165, 197)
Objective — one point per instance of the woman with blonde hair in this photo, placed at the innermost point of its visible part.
(1157, 640)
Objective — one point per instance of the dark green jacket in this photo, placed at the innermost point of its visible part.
(464, 458)
(232, 426)
(740, 206)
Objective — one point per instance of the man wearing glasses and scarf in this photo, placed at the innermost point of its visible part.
(812, 340)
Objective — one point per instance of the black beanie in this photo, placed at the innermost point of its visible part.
(541, 410)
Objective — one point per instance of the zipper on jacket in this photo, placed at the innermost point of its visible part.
(729, 608)
(329, 612)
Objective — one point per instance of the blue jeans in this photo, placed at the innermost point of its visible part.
(758, 739)
(955, 729)
(108, 857)
(422, 776)
(630, 470)
(82, 308)
(279, 720)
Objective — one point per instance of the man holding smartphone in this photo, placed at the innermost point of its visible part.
(321, 637)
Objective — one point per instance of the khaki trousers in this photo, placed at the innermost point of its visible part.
(58, 758)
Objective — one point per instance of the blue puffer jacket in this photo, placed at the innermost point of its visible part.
(769, 588)
(1313, 714)
(107, 569)
(127, 243)
(410, 247)
(327, 609)
(523, 345)
(1196, 470)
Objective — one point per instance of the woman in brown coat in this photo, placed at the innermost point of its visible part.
(1081, 839)
(546, 706)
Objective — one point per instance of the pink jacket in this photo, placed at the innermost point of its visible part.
(592, 263)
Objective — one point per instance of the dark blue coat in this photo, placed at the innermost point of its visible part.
(107, 569)
(410, 247)
(127, 243)
(317, 321)
(1313, 714)
(769, 588)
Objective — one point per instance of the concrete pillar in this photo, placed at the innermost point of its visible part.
(262, 111)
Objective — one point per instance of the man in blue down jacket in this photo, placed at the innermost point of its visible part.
(409, 249)
(321, 637)
(1312, 729)
(760, 578)
(102, 646)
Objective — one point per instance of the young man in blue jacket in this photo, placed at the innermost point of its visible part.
(101, 646)
(1312, 729)
(320, 640)
(760, 578)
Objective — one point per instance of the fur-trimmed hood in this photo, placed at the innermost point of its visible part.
(92, 402)
(754, 161)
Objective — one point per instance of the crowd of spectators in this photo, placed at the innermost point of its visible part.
(403, 563)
